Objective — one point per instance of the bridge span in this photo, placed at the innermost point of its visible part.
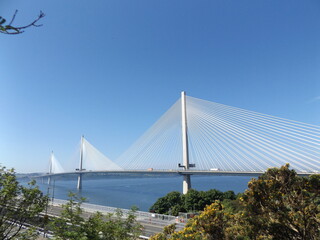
(168, 172)
(198, 137)
(161, 172)
(156, 172)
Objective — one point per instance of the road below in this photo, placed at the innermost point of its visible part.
(152, 223)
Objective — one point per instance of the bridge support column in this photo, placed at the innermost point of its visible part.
(50, 167)
(79, 185)
(186, 183)
(185, 151)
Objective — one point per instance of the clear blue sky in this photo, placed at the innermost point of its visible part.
(110, 69)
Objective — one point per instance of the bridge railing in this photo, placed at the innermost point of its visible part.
(142, 217)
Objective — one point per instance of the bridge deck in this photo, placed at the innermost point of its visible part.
(170, 171)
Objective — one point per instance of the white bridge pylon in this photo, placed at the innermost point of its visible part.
(54, 165)
(94, 160)
(225, 138)
(91, 159)
(219, 138)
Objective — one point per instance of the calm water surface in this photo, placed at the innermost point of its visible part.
(124, 192)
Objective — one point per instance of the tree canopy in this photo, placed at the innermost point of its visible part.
(18, 206)
(278, 205)
(72, 225)
(175, 202)
(22, 209)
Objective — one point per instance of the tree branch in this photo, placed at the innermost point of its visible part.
(12, 30)
(13, 17)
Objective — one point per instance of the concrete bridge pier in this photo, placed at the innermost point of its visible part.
(49, 180)
(79, 185)
(186, 183)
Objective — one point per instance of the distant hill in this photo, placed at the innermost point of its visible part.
(28, 175)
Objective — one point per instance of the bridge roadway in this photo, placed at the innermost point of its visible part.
(170, 172)
(151, 172)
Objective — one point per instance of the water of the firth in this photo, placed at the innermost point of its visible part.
(124, 192)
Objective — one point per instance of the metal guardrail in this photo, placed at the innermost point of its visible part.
(142, 217)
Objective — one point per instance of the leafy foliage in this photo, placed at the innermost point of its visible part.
(175, 202)
(283, 205)
(18, 205)
(73, 225)
(277, 205)
(210, 224)
(172, 203)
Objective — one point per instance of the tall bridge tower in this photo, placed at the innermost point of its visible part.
(185, 149)
(79, 185)
(50, 167)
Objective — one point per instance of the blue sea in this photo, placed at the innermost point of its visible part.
(125, 192)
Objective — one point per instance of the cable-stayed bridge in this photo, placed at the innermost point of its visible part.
(200, 137)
